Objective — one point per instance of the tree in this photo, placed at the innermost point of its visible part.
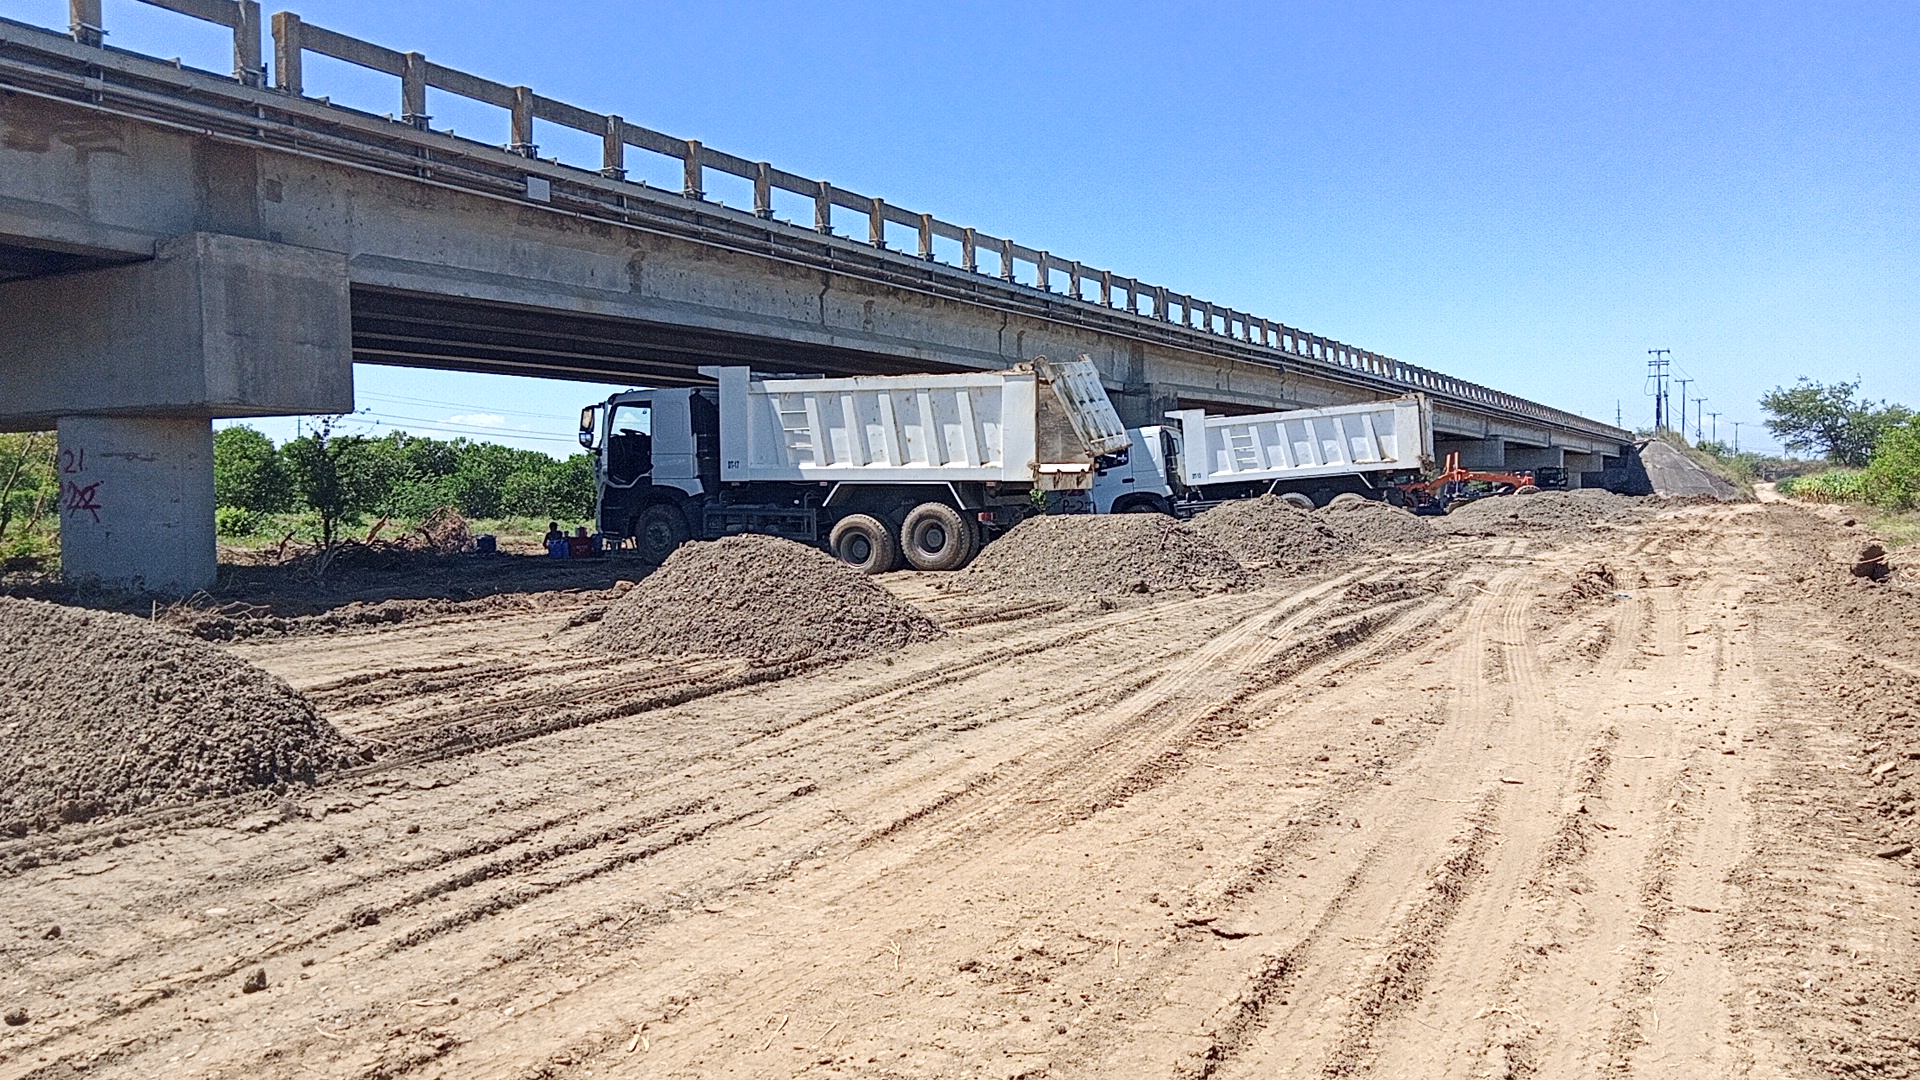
(1830, 420)
(325, 477)
(248, 473)
(1893, 476)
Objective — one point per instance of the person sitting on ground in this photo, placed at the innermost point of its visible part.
(557, 544)
(553, 533)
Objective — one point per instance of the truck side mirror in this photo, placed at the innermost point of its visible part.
(589, 418)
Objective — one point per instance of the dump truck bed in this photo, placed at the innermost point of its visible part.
(1022, 425)
(1380, 436)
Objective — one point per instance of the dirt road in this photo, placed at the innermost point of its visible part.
(1472, 811)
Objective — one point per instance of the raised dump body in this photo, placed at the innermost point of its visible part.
(1043, 425)
(1392, 436)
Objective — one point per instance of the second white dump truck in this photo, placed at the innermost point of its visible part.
(1308, 457)
(876, 469)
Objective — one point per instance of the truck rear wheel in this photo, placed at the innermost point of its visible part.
(1347, 498)
(1297, 500)
(935, 536)
(659, 530)
(864, 543)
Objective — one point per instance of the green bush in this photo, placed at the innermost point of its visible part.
(248, 472)
(1893, 476)
(235, 522)
(1837, 485)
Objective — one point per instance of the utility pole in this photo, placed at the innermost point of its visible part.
(1699, 404)
(1683, 405)
(1657, 372)
(1618, 420)
(1716, 427)
(1736, 436)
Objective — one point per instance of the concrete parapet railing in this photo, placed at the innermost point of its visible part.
(294, 38)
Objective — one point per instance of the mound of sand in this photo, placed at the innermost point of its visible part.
(1542, 512)
(1271, 531)
(102, 713)
(1107, 555)
(762, 598)
(1377, 527)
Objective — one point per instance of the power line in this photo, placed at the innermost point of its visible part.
(464, 405)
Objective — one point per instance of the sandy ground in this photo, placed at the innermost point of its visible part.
(1429, 816)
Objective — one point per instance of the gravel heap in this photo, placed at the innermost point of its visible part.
(1271, 531)
(102, 713)
(1103, 554)
(1378, 527)
(1542, 512)
(763, 598)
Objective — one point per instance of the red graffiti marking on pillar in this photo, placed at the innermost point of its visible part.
(84, 498)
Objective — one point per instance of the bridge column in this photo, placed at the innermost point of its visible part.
(132, 362)
(136, 501)
(1474, 453)
(1578, 463)
(1535, 457)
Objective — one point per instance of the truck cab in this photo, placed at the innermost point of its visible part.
(1145, 481)
(649, 444)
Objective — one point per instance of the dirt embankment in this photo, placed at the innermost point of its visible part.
(763, 598)
(1101, 555)
(103, 713)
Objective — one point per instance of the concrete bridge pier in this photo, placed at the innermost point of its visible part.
(1474, 453)
(136, 506)
(132, 362)
(1535, 457)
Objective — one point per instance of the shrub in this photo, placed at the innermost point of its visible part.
(234, 522)
(1893, 476)
(1837, 485)
(248, 473)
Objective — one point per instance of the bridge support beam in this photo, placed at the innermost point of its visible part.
(1474, 453)
(132, 362)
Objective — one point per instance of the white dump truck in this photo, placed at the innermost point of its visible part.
(876, 469)
(1308, 457)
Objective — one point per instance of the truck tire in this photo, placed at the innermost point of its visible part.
(1347, 498)
(1526, 489)
(1297, 500)
(935, 536)
(1142, 504)
(659, 530)
(864, 543)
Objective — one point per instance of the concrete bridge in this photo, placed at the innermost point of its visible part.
(178, 245)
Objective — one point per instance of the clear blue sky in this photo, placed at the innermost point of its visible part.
(1527, 195)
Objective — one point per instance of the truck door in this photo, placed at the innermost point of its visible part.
(630, 444)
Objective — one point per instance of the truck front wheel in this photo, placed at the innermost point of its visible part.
(864, 542)
(659, 530)
(935, 536)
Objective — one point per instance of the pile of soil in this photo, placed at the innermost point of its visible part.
(103, 713)
(1595, 581)
(1378, 527)
(1267, 530)
(1103, 555)
(1542, 512)
(763, 598)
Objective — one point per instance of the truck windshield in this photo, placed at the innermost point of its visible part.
(629, 442)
